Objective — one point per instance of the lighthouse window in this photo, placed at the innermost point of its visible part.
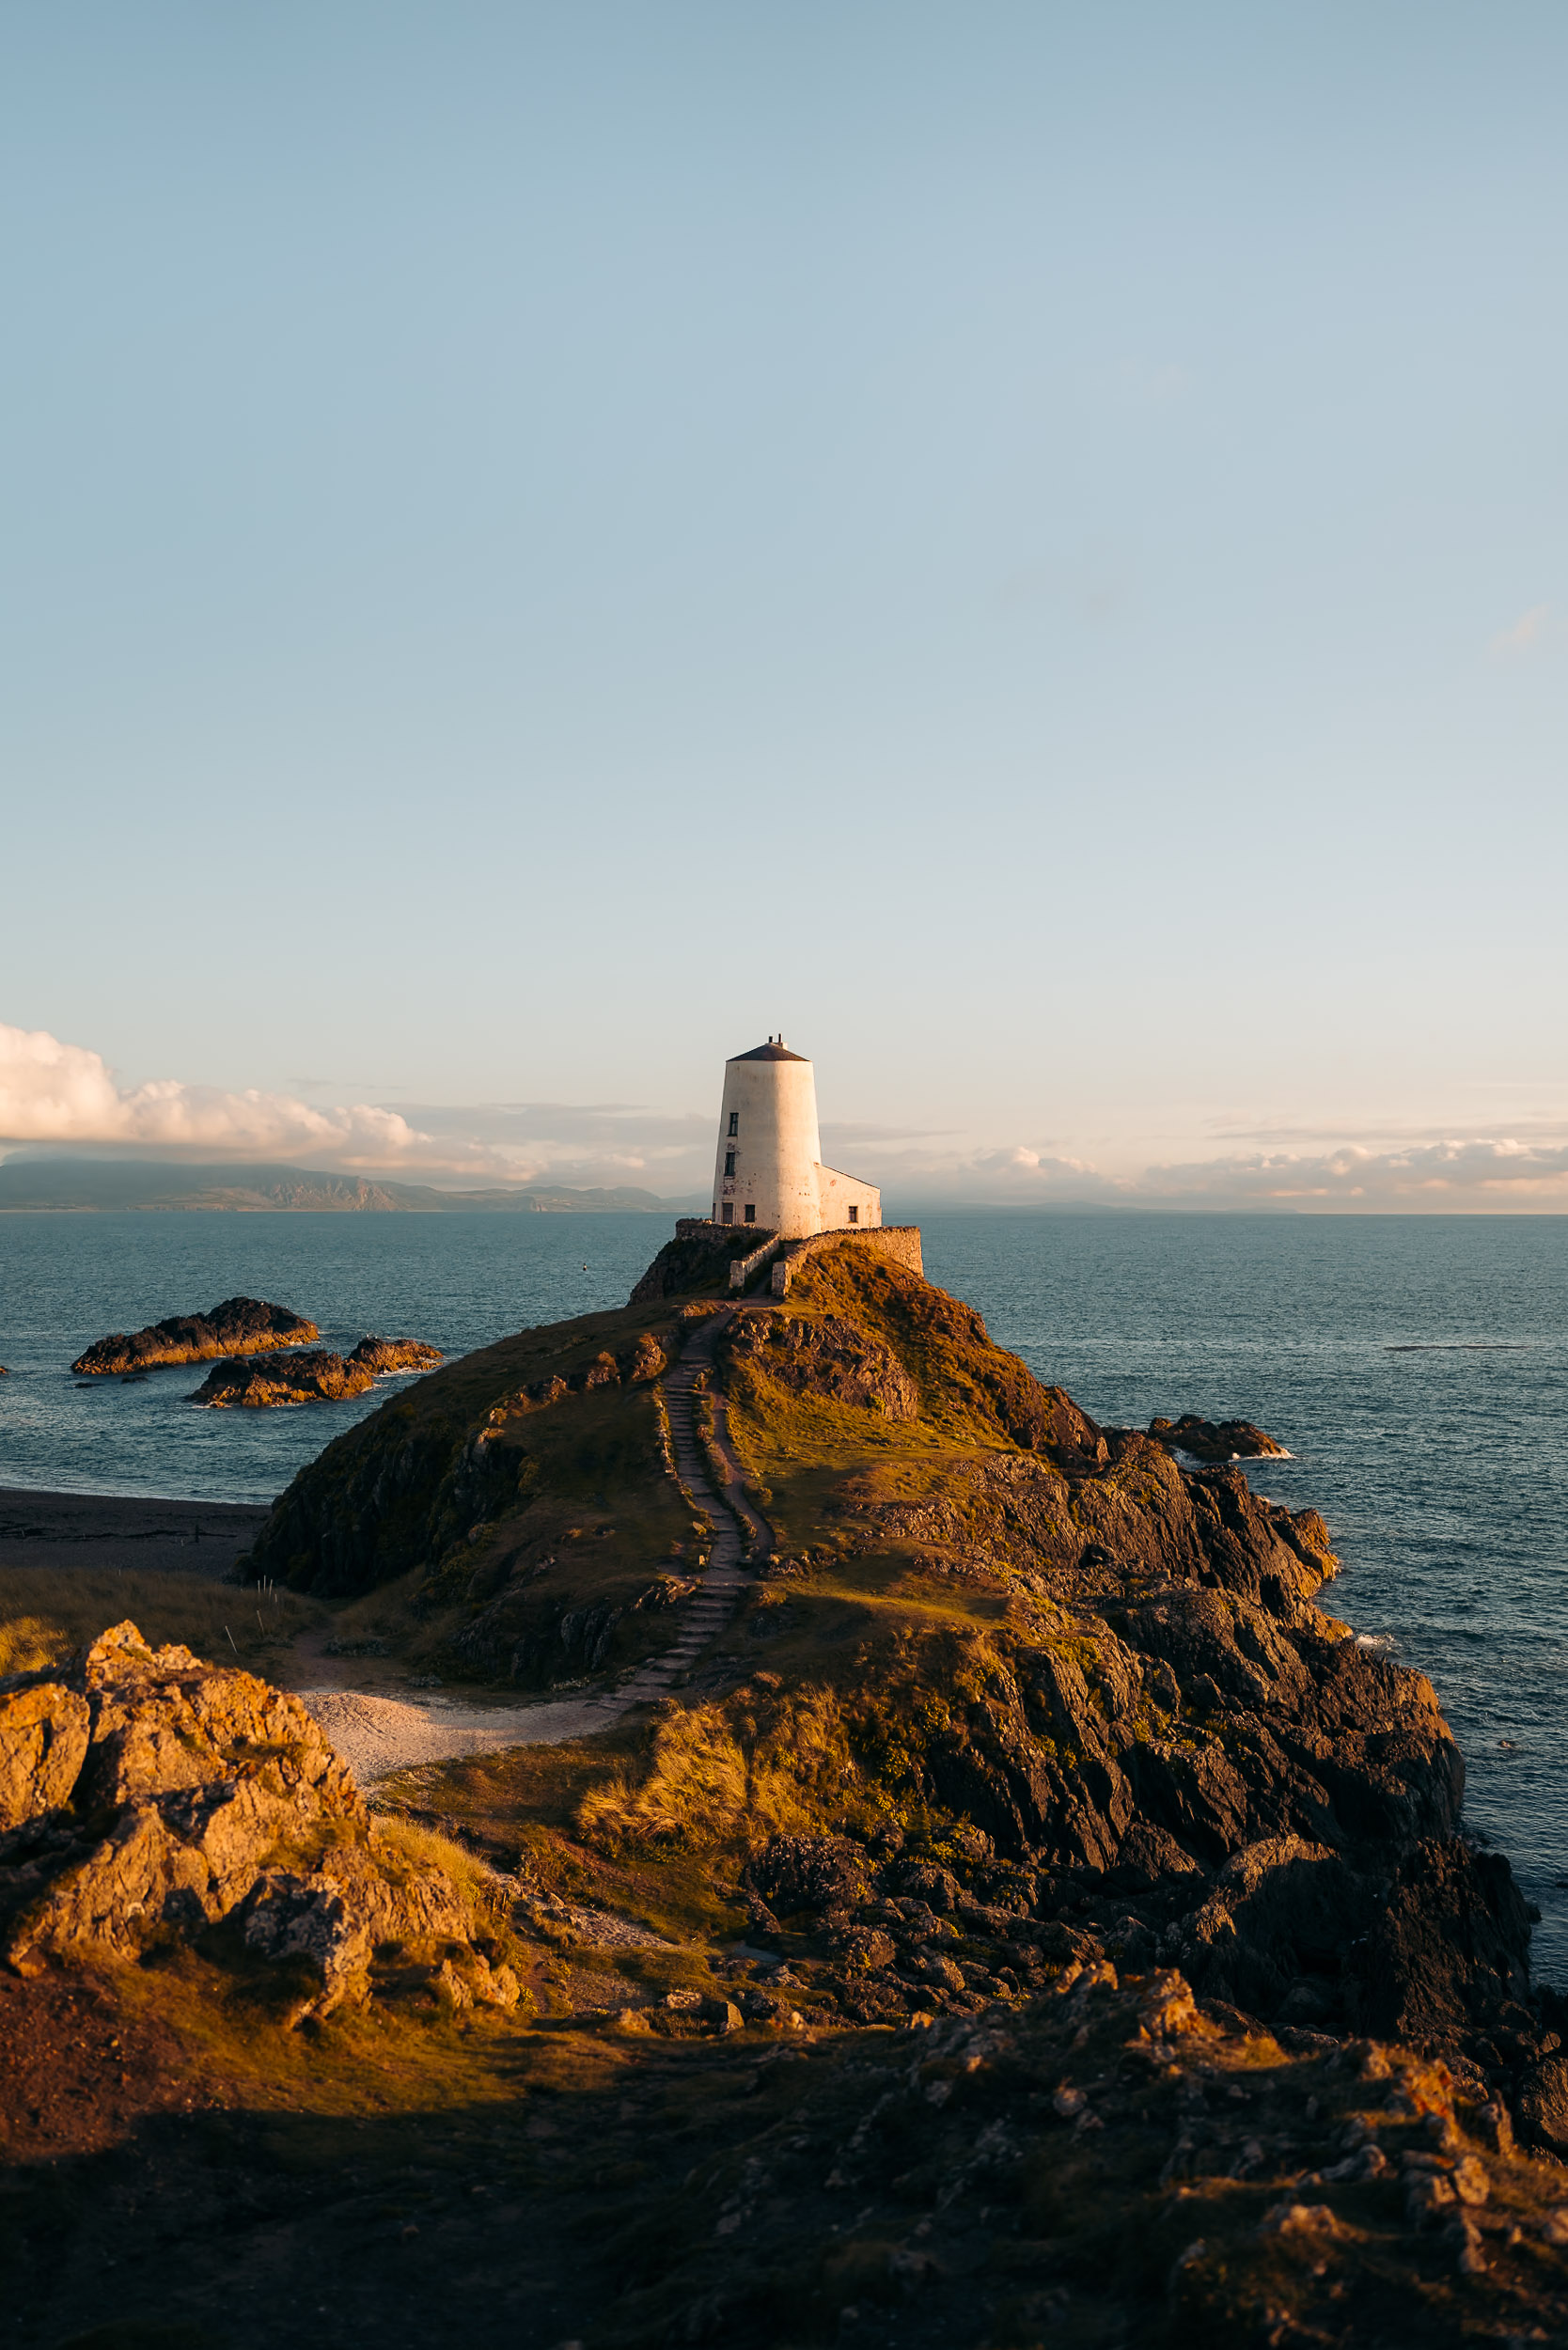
(727, 1213)
(855, 1215)
(729, 1162)
(734, 1122)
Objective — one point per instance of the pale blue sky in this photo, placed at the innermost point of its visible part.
(1026, 544)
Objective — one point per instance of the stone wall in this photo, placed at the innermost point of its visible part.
(742, 1268)
(901, 1241)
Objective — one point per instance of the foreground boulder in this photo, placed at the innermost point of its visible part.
(241, 1326)
(147, 1797)
(315, 1375)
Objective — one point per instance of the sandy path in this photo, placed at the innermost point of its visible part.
(375, 1735)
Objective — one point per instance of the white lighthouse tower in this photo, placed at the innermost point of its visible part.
(768, 1170)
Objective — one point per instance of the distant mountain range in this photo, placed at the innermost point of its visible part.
(106, 1183)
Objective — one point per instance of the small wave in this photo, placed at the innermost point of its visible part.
(1381, 1642)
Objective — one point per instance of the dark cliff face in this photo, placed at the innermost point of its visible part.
(479, 1461)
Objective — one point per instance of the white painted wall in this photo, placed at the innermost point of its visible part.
(776, 1146)
(838, 1194)
(776, 1151)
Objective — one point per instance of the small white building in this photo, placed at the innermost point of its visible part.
(768, 1170)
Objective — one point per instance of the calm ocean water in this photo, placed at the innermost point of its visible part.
(1416, 1368)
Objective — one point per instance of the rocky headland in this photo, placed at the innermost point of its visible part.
(239, 1325)
(313, 1375)
(1026, 1915)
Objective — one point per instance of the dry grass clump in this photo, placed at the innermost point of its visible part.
(425, 1847)
(47, 1613)
(28, 1643)
(729, 1774)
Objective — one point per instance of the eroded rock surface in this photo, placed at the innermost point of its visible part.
(148, 1794)
(241, 1326)
(315, 1375)
(827, 1356)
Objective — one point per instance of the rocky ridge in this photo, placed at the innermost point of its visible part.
(239, 1325)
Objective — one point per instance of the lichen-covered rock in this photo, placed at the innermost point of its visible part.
(43, 1743)
(162, 1719)
(647, 1360)
(150, 1795)
(181, 1864)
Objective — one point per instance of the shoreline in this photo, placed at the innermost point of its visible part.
(85, 1532)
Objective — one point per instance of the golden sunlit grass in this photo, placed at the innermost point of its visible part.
(426, 1847)
(716, 1775)
(46, 1613)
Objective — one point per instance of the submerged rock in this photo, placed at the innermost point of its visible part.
(241, 1326)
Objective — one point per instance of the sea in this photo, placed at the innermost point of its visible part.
(1415, 1366)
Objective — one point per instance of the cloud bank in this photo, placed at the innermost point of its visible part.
(65, 1097)
(1475, 1175)
(63, 1093)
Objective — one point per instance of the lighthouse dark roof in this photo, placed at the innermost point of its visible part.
(770, 1051)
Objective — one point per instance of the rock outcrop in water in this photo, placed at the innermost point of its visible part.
(146, 1795)
(241, 1326)
(379, 1356)
(315, 1375)
(1214, 1441)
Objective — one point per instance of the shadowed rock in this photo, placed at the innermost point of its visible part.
(1213, 1441)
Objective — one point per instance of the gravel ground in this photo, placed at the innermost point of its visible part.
(375, 1735)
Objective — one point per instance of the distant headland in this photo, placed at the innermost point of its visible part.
(82, 1185)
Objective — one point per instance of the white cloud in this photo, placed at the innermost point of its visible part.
(65, 1093)
(1496, 1173)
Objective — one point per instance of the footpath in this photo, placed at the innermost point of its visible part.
(377, 1735)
